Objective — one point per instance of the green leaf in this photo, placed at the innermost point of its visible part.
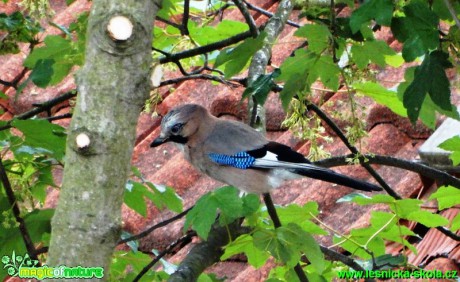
(16, 28)
(235, 59)
(60, 55)
(405, 207)
(206, 277)
(245, 244)
(382, 96)
(318, 35)
(385, 225)
(42, 72)
(376, 199)
(168, 8)
(267, 240)
(455, 223)
(295, 235)
(452, 145)
(428, 219)
(375, 51)
(302, 216)
(430, 78)
(295, 75)
(43, 134)
(203, 214)
(377, 245)
(380, 10)
(134, 197)
(440, 8)
(351, 196)
(44, 179)
(418, 30)
(298, 77)
(164, 196)
(286, 244)
(428, 112)
(251, 203)
(166, 39)
(260, 88)
(294, 213)
(447, 196)
(38, 223)
(121, 260)
(205, 35)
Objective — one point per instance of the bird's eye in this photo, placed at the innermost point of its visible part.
(176, 128)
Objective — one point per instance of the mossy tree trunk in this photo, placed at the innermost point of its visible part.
(112, 88)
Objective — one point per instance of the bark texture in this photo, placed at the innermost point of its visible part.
(112, 88)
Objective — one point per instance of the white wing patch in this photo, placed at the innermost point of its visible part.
(270, 157)
(270, 163)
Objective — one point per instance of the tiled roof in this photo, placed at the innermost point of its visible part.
(389, 134)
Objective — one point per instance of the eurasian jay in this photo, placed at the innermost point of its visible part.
(236, 154)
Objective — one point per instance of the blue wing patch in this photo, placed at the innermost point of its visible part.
(240, 160)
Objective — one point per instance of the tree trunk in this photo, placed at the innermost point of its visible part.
(112, 88)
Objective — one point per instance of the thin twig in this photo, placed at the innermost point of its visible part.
(247, 16)
(156, 226)
(185, 17)
(267, 13)
(427, 171)
(64, 116)
(198, 76)
(336, 256)
(176, 25)
(17, 214)
(206, 48)
(353, 149)
(43, 107)
(452, 12)
(422, 169)
(187, 238)
(206, 253)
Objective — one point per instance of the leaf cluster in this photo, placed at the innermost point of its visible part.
(18, 28)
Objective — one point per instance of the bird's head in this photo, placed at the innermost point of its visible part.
(179, 124)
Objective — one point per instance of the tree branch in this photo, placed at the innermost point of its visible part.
(247, 16)
(43, 107)
(185, 16)
(17, 214)
(427, 171)
(187, 238)
(206, 253)
(197, 76)
(441, 176)
(267, 13)
(178, 26)
(452, 12)
(154, 227)
(204, 49)
(353, 149)
(262, 57)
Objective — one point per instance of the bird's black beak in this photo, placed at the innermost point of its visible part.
(158, 141)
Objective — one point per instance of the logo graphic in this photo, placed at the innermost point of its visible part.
(13, 263)
(25, 267)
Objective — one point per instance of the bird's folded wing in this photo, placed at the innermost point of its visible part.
(277, 156)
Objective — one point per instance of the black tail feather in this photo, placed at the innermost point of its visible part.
(334, 177)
